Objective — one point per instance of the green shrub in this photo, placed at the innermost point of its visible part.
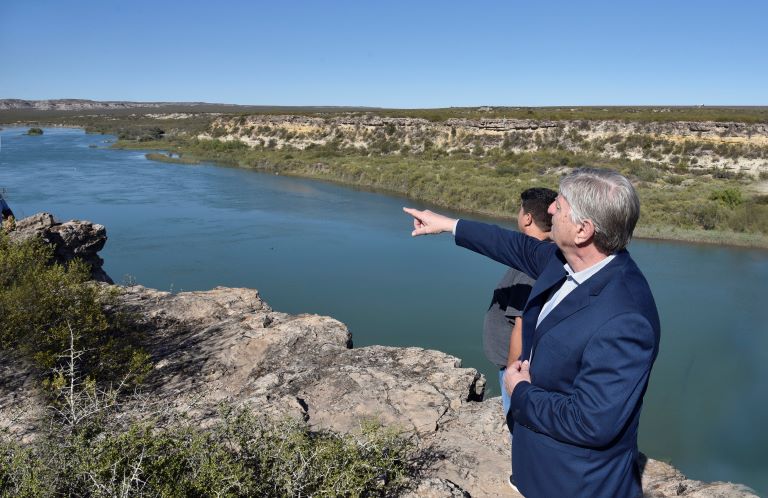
(42, 304)
(507, 169)
(242, 455)
(730, 197)
(644, 171)
(22, 472)
(708, 215)
(141, 133)
(675, 179)
(35, 131)
(293, 461)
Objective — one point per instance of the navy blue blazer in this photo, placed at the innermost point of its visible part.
(576, 422)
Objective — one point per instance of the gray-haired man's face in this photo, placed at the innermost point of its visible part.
(563, 228)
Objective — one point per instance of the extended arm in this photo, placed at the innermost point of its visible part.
(606, 393)
(510, 248)
(514, 249)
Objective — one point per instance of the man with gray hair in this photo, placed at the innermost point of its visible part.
(590, 337)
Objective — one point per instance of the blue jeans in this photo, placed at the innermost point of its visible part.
(505, 401)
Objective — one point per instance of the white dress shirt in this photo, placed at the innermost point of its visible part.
(573, 280)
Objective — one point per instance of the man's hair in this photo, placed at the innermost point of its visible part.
(606, 198)
(536, 202)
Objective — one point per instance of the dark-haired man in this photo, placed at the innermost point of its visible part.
(590, 338)
(503, 324)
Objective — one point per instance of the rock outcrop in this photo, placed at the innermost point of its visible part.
(228, 345)
(81, 104)
(733, 146)
(70, 240)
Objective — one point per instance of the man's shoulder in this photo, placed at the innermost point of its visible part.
(626, 288)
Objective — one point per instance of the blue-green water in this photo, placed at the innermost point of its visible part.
(313, 247)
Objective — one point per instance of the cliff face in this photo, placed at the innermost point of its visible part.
(79, 104)
(738, 147)
(229, 345)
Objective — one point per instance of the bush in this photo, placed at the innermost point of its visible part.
(730, 197)
(293, 461)
(35, 131)
(242, 455)
(644, 172)
(141, 133)
(42, 304)
(708, 215)
(675, 179)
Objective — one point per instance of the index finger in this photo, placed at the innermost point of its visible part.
(413, 212)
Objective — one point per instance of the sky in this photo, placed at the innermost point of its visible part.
(401, 54)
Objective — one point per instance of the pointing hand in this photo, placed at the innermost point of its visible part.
(427, 223)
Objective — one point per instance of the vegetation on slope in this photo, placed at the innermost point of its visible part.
(43, 304)
(240, 455)
(677, 202)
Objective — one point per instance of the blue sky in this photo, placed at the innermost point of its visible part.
(388, 53)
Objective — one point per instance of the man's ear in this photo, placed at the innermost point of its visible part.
(527, 219)
(585, 232)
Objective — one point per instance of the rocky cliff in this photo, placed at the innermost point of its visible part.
(229, 345)
(82, 104)
(732, 146)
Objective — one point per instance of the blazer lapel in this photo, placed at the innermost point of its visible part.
(552, 277)
(580, 297)
(573, 302)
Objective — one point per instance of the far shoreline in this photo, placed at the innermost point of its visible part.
(716, 238)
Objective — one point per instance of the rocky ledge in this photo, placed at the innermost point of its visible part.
(70, 240)
(229, 345)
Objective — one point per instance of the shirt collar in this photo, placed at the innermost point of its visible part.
(581, 276)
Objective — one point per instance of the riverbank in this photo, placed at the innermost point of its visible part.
(686, 207)
(167, 158)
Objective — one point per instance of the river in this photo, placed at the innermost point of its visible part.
(314, 247)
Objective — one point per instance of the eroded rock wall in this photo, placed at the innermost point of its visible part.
(737, 147)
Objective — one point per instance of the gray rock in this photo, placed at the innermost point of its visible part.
(227, 344)
(71, 239)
